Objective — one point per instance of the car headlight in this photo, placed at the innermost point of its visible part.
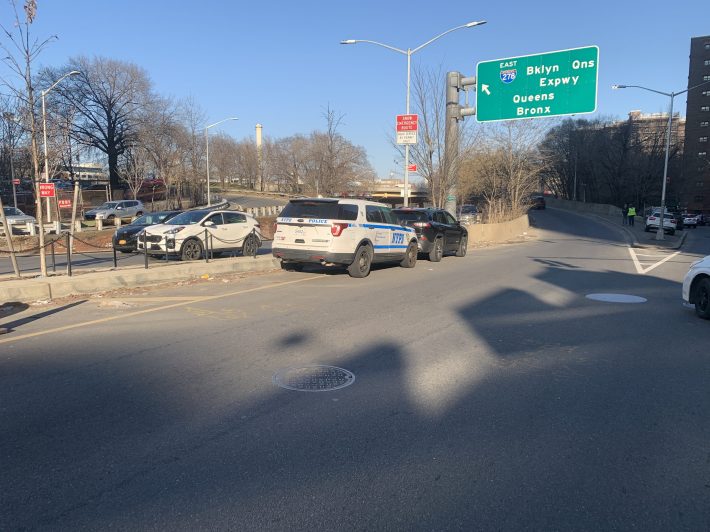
(174, 231)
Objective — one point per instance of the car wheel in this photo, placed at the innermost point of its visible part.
(437, 251)
(191, 250)
(647, 229)
(702, 299)
(671, 232)
(291, 266)
(110, 218)
(362, 263)
(250, 246)
(410, 258)
(463, 246)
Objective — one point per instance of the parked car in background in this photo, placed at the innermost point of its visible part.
(538, 202)
(690, 220)
(16, 219)
(437, 231)
(653, 222)
(111, 210)
(125, 238)
(184, 234)
(696, 287)
(468, 214)
(353, 233)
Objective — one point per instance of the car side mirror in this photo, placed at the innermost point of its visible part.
(119, 208)
(208, 223)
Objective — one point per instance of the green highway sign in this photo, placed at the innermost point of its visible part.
(537, 86)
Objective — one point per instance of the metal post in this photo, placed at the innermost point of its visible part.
(659, 234)
(406, 146)
(212, 247)
(207, 255)
(54, 262)
(69, 255)
(451, 137)
(207, 152)
(145, 250)
(166, 248)
(115, 259)
(46, 158)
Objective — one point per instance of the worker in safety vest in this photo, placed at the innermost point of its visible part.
(632, 214)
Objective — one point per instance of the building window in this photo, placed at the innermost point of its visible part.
(699, 184)
(702, 154)
(707, 45)
(704, 124)
(705, 108)
(707, 62)
(706, 93)
(706, 78)
(699, 199)
(703, 139)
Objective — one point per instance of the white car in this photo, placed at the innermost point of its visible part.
(341, 232)
(696, 287)
(15, 217)
(110, 210)
(690, 220)
(653, 222)
(189, 234)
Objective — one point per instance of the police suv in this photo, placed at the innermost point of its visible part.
(341, 232)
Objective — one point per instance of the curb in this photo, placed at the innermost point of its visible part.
(27, 290)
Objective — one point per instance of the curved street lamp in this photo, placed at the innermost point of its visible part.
(409, 52)
(672, 95)
(207, 146)
(44, 130)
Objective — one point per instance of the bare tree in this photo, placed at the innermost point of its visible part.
(110, 97)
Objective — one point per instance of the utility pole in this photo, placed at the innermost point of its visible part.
(455, 82)
(259, 158)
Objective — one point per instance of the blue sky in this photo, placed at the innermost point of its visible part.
(280, 63)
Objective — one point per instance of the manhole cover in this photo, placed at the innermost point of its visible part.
(616, 298)
(313, 378)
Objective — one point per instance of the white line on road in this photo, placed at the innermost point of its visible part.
(639, 267)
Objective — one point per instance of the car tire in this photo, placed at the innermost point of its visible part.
(360, 267)
(702, 299)
(463, 246)
(671, 232)
(250, 247)
(191, 250)
(291, 266)
(110, 218)
(437, 251)
(410, 257)
(647, 229)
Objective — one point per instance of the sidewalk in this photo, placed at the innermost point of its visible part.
(47, 288)
(639, 238)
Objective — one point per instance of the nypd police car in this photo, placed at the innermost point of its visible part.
(341, 232)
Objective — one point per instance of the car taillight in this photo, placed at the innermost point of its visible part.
(337, 229)
(421, 224)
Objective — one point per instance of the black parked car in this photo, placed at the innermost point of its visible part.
(437, 231)
(125, 237)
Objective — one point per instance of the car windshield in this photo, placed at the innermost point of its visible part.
(12, 211)
(151, 218)
(409, 216)
(106, 206)
(328, 210)
(187, 218)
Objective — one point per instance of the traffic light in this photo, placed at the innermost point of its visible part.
(456, 82)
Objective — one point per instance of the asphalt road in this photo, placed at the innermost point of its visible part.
(490, 394)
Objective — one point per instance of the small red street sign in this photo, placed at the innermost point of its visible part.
(46, 190)
(64, 203)
(412, 167)
(15, 181)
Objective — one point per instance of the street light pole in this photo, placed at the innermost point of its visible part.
(671, 95)
(207, 152)
(44, 129)
(409, 52)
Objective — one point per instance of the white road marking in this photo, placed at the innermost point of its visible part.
(640, 268)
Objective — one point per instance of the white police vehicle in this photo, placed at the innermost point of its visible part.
(341, 232)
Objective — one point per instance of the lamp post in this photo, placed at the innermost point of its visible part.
(409, 52)
(672, 95)
(207, 147)
(44, 130)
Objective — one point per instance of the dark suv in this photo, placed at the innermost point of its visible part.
(437, 231)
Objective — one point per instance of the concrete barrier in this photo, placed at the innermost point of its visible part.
(497, 233)
(579, 206)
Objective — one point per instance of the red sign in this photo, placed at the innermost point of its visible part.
(46, 190)
(64, 203)
(407, 122)
(412, 167)
(15, 181)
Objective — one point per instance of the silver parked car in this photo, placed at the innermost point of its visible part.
(16, 218)
(116, 209)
